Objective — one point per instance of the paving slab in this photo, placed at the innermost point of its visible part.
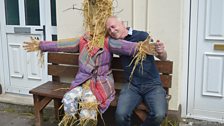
(15, 119)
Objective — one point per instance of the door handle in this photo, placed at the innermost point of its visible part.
(44, 31)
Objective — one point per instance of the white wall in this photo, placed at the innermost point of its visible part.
(165, 24)
(69, 22)
(161, 17)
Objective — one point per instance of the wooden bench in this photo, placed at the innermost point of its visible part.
(66, 65)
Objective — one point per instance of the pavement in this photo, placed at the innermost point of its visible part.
(16, 110)
(17, 115)
(20, 119)
(12, 119)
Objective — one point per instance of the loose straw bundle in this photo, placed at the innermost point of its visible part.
(89, 106)
(68, 120)
(88, 122)
(142, 50)
(138, 58)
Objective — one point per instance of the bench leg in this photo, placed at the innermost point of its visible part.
(37, 111)
(58, 113)
(39, 104)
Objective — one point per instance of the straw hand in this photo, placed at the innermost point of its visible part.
(33, 45)
(148, 46)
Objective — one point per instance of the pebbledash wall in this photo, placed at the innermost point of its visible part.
(164, 20)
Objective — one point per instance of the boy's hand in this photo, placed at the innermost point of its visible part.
(160, 48)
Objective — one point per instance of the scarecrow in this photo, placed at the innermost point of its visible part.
(92, 90)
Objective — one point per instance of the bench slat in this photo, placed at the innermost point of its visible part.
(60, 70)
(164, 67)
(63, 58)
(166, 80)
(69, 71)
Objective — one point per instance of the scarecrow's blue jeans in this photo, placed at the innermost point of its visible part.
(154, 98)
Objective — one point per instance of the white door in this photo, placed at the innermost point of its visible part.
(206, 73)
(25, 18)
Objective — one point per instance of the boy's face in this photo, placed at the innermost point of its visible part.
(115, 28)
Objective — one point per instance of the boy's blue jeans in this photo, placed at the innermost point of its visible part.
(154, 98)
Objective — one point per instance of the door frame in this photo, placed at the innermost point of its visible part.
(183, 81)
(4, 56)
(192, 54)
(5, 67)
(190, 22)
(1, 61)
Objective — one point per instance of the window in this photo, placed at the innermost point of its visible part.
(54, 37)
(32, 12)
(12, 12)
(53, 13)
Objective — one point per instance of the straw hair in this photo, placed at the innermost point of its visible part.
(95, 15)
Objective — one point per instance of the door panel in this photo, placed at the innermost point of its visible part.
(208, 83)
(24, 69)
(212, 83)
(214, 26)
